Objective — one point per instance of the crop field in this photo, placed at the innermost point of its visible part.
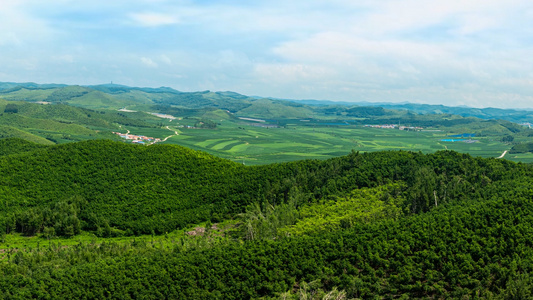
(254, 145)
(486, 147)
(521, 157)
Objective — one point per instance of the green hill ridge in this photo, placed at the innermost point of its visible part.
(388, 224)
(86, 214)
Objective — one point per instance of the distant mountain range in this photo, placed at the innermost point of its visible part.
(514, 115)
(114, 96)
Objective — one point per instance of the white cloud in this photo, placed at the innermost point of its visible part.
(165, 59)
(347, 49)
(151, 19)
(290, 73)
(66, 58)
(148, 62)
(469, 16)
(474, 52)
(18, 27)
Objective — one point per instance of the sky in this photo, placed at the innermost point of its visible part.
(477, 53)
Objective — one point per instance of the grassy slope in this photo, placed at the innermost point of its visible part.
(42, 124)
(270, 109)
(98, 100)
(27, 94)
(63, 123)
(11, 132)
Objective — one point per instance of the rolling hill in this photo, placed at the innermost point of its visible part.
(386, 224)
(7, 132)
(513, 115)
(73, 113)
(83, 216)
(112, 96)
(59, 123)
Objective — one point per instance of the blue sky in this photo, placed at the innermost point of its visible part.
(455, 52)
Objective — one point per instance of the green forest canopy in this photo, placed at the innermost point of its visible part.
(389, 224)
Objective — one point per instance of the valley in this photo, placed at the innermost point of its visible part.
(118, 192)
(266, 150)
(245, 129)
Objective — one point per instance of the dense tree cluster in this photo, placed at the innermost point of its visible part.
(522, 148)
(477, 249)
(165, 187)
(11, 108)
(17, 146)
(204, 123)
(386, 224)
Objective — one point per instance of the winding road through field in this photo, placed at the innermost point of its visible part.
(175, 133)
(503, 154)
(126, 129)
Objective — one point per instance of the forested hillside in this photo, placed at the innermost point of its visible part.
(17, 146)
(387, 224)
(390, 224)
(164, 187)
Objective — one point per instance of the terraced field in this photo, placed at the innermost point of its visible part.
(257, 145)
(245, 141)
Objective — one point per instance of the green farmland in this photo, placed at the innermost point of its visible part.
(257, 137)
(254, 145)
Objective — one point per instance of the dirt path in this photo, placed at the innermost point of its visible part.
(175, 133)
(503, 154)
(126, 129)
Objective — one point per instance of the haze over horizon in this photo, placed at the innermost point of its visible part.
(474, 53)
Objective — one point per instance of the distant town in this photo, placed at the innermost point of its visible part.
(138, 139)
(395, 126)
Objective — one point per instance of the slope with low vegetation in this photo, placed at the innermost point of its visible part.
(59, 123)
(7, 132)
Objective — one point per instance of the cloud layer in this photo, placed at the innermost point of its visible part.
(475, 53)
